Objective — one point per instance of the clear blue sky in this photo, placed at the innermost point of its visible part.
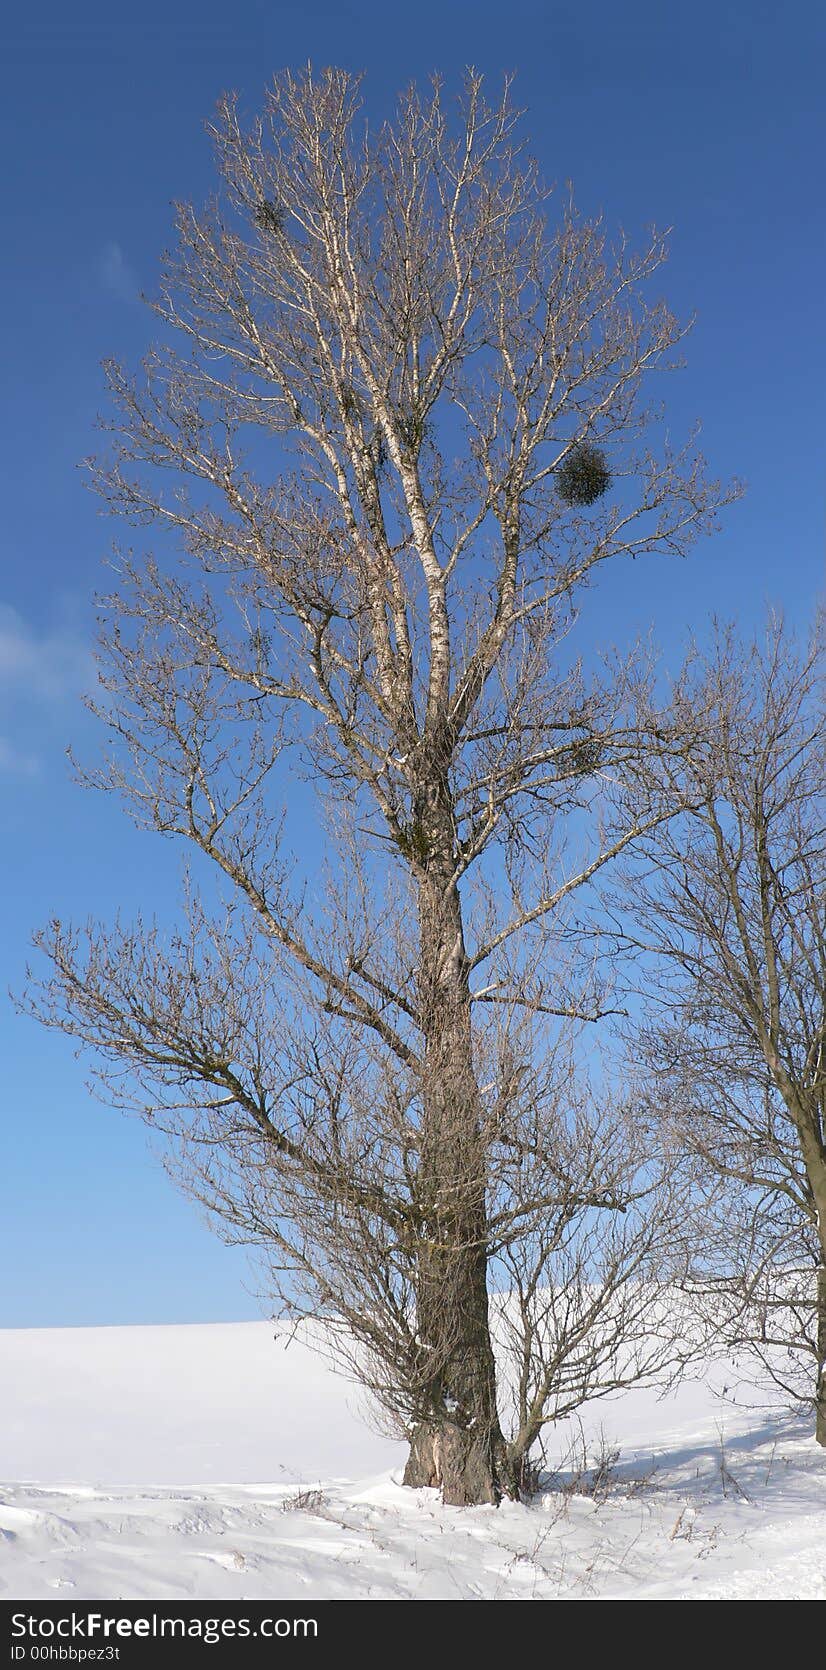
(707, 117)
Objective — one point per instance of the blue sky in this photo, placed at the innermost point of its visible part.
(706, 118)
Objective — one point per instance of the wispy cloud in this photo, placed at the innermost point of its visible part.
(117, 275)
(47, 666)
(40, 674)
(14, 762)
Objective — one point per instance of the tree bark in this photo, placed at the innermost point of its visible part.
(820, 1390)
(814, 1154)
(457, 1443)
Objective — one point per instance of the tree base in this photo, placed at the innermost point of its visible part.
(468, 1468)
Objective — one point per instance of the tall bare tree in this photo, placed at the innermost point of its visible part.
(403, 420)
(730, 902)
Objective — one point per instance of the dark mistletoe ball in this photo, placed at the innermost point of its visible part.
(269, 216)
(584, 476)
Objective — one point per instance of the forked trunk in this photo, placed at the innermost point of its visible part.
(457, 1443)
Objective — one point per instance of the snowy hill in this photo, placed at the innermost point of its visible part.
(226, 1462)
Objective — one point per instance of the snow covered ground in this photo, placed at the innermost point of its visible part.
(222, 1462)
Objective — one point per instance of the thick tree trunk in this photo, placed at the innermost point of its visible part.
(815, 1157)
(820, 1392)
(810, 1118)
(457, 1443)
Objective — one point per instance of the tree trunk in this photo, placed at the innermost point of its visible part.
(815, 1158)
(820, 1392)
(457, 1442)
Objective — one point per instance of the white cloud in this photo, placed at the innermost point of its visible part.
(48, 666)
(42, 675)
(15, 762)
(117, 275)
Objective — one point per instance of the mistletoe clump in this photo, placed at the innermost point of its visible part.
(269, 216)
(584, 476)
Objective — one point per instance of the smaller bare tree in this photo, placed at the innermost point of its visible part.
(729, 900)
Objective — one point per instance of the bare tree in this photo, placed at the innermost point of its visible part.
(730, 901)
(403, 421)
